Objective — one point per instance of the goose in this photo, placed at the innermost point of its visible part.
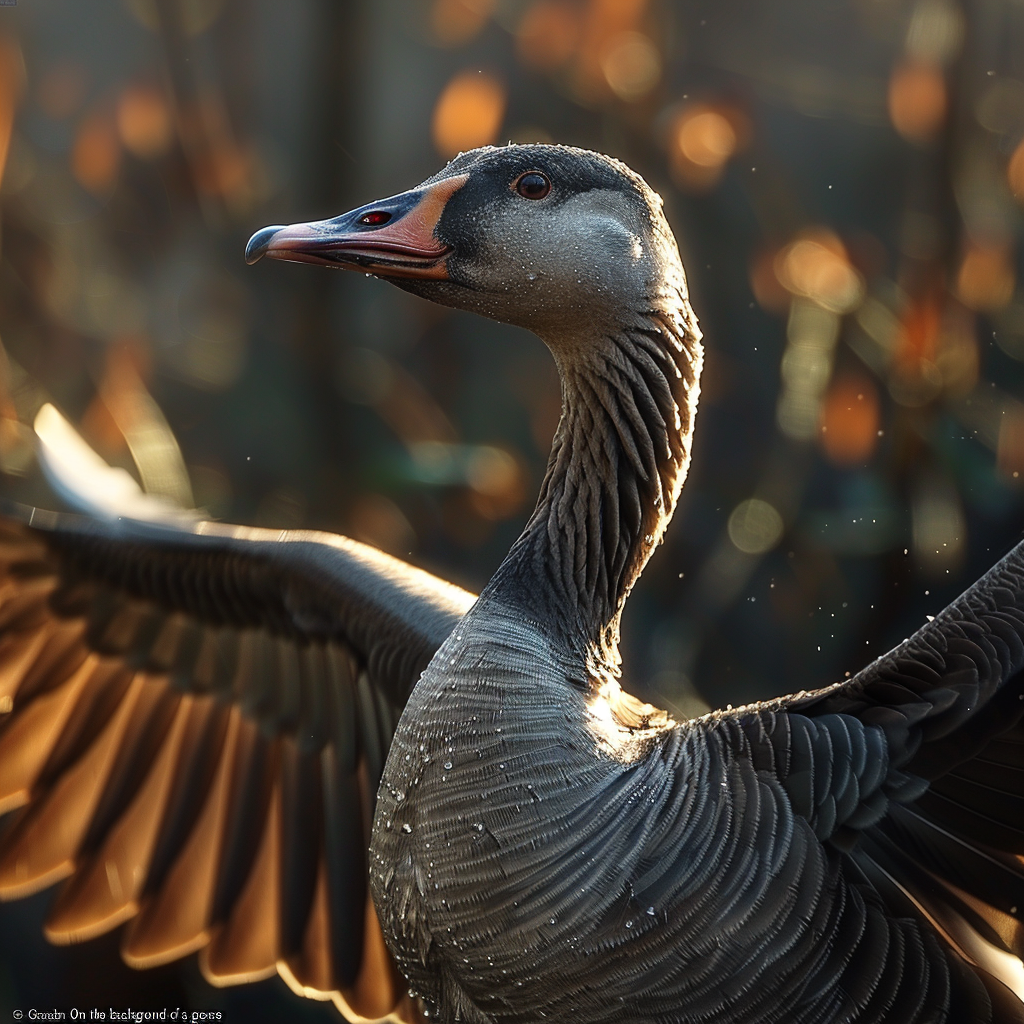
(292, 753)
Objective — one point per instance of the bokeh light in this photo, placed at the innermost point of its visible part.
(938, 524)
(144, 122)
(850, 418)
(455, 22)
(935, 33)
(615, 57)
(816, 266)
(703, 140)
(11, 81)
(917, 100)
(1000, 108)
(986, 277)
(548, 34)
(96, 155)
(755, 526)
(811, 336)
(1015, 172)
(1010, 446)
(468, 113)
(631, 65)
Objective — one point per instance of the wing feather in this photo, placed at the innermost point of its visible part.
(193, 725)
(106, 887)
(914, 768)
(30, 739)
(40, 848)
(245, 947)
(345, 882)
(176, 920)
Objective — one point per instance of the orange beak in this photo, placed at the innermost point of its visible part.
(395, 237)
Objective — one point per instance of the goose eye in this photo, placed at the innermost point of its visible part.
(533, 185)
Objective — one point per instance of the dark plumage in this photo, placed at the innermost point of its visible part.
(201, 713)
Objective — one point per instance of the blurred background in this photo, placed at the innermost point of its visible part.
(845, 180)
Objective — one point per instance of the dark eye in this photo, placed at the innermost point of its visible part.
(533, 185)
(375, 218)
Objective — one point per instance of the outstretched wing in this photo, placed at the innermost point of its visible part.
(915, 768)
(193, 725)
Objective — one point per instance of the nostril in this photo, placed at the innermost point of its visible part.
(375, 218)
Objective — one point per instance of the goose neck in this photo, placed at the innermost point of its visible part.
(617, 463)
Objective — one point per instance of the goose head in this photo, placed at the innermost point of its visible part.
(561, 241)
(575, 247)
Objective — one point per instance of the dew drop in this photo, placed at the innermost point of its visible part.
(407, 828)
(447, 766)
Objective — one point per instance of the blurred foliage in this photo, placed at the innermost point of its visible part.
(846, 182)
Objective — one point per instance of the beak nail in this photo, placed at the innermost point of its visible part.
(260, 242)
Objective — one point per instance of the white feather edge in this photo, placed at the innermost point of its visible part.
(90, 485)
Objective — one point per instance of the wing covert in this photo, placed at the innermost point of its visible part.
(914, 768)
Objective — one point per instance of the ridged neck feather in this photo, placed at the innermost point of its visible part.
(617, 463)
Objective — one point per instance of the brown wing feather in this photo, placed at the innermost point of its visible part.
(42, 846)
(28, 741)
(244, 948)
(176, 920)
(199, 758)
(106, 887)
